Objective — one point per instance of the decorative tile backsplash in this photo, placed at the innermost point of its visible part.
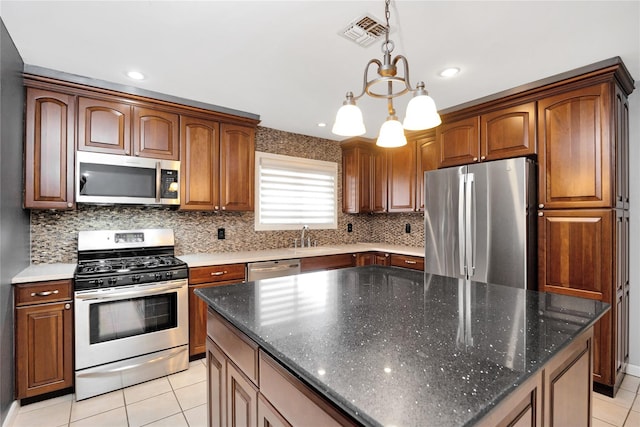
(54, 234)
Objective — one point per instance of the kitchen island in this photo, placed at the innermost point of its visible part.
(388, 346)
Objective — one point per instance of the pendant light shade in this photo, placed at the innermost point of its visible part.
(349, 120)
(391, 134)
(421, 113)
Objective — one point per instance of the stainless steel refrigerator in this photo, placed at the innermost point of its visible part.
(480, 222)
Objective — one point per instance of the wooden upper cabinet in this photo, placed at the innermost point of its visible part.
(427, 159)
(508, 133)
(401, 178)
(199, 142)
(364, 177)
(104, 126)
(237, 167)
(49, 150)
(575, 149)
(459, 142)
(155, 134)
(501, 134)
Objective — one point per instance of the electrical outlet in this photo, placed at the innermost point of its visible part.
(407, 228)
(220, 233)
(349, 228)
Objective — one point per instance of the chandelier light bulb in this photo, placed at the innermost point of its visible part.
(349, 120)
(421, 113)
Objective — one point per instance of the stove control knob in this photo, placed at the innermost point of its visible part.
(169, 274)
(135, 278)
(99, 282)
(112, 280)
(158, 276)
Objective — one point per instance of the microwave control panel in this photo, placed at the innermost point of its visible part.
(169, 185)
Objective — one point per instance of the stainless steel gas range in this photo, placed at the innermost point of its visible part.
(131, 309)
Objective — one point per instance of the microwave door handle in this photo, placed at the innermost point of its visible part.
(158, 181)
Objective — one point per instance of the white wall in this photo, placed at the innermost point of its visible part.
(634, 212)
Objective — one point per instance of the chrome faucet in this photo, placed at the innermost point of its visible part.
(304, 228)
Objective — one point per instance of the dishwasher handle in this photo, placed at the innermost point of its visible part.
(274, 268)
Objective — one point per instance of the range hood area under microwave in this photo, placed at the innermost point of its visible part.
(113, 179)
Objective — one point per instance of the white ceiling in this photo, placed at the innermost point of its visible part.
(285, 61)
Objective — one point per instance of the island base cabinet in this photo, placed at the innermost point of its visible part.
(268, 416)
(216, 390)
(558, 395)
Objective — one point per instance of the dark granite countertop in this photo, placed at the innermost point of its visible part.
(391, 346)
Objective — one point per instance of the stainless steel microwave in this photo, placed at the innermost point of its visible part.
(112, 179)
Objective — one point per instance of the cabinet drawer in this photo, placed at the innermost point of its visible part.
(40, 292)
(328, 262)
(296, 402)
(241, 350)
(216, 273)
(407, 261)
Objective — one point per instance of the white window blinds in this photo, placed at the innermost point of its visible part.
(293, 191)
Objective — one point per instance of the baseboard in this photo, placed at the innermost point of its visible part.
(633, 370)
(12, 414)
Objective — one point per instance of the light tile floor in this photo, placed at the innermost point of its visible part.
(180, 400)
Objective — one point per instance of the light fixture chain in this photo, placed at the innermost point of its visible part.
(387, 15)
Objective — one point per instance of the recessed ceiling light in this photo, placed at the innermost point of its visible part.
(136, 75)
(449, 72)
(322, 124)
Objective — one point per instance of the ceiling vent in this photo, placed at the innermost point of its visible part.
(364, 30)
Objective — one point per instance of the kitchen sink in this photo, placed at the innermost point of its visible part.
(312, 250)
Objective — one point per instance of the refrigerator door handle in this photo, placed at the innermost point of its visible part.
(470, 229)
(461, 228)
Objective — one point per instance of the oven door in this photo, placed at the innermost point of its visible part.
(119, 323)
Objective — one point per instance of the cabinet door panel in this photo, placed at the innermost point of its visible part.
(378, 182)
(49, 150)
(104, 126)
(268, 416)
(458, 142)
(507, 133)
(575, 253)
(199, 165)
(217, 386)
(575, 164)
(401, 173)
(350, 181)
(155, 134)
(237, 164)
(621, 112)
(242, 396)
(43, 349)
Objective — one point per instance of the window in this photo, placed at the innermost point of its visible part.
(292, 192)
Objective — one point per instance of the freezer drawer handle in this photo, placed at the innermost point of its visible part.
(43, 293)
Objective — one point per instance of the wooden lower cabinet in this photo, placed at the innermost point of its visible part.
(43, 337)
(327, 262)
(580, 254)
(268, 416)
(372, 258)
(204, 277)
(242, 398)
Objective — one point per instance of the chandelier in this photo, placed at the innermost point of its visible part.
(421, 110)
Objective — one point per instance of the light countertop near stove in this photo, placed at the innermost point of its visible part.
(60, 271)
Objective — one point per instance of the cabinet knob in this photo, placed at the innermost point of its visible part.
(482, 157)
(475, 159)
(216, 207)
(67, 306)
(126, 152)
(540, 213)
(136, 153)
(69, 205)
(541, 205)
(224, 208)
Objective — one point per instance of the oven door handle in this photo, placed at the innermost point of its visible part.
(131, 366)
(127, 294)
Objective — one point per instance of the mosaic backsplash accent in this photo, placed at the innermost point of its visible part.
(54, 234)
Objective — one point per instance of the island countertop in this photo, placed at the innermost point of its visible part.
(390, 346)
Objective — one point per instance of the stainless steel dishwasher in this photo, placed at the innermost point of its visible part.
(268, 269)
